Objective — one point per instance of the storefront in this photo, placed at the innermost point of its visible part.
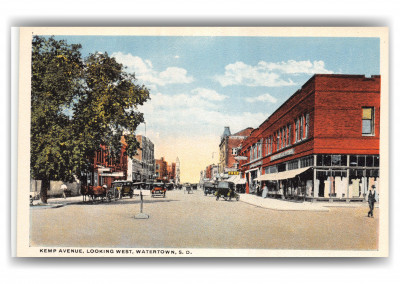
(323, 177)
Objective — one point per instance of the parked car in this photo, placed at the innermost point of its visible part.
(226, 190)
(169, 186)
(159, 189)
(123, 188)
(209, 187)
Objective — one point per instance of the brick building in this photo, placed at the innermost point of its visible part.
(106, 169)
(171, 172)
(228, 149)
(161, 172)
(322, 143)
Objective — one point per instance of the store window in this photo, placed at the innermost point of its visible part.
(367, 121)
(307, 162)
(293, 165)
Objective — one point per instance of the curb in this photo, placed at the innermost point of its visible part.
(288, 209)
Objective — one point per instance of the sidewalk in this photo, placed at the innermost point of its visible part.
(56, 202)
(289, 205)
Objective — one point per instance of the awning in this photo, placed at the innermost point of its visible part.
(236, 179)
(282, 175)
(114, 174)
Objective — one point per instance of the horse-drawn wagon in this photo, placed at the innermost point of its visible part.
(94, 192)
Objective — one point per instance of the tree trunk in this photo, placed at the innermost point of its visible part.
(43, 191)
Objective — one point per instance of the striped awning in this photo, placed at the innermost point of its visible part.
(282, 175)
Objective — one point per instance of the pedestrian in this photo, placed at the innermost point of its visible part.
(371, 201)
(265, 191)
(258, 189)
(64, 190)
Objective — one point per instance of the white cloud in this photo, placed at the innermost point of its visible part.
(268, 74)
(145, 71)
(209, 94)
(262, 98)
(185, 114)
(297, 67)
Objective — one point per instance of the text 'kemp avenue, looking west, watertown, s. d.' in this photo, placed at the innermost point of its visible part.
(115, 251)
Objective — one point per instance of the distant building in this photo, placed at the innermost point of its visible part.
(161, 172)
(211, 172)
(229, 147)
(177, 171)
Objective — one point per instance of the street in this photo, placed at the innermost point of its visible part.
(184, 220)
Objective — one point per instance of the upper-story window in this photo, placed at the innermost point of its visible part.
(278, 140)
(296, 122)
(367, 121)
(234, 151)
(306, 126)
(301, 127)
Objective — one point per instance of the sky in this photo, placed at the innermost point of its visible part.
(200, 84)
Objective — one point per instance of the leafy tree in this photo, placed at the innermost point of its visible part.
(56, 73)
(76, 106)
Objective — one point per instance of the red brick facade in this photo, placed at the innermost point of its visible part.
(229, 149)
(105, 169)
(327, 115)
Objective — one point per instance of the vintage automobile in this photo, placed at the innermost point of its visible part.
(142, 187)
(123, 188)
(159, 189)
(194, 186)
(169, 186)
(226, 190)
(209, 188)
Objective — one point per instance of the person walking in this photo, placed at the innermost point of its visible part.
(64, 190)
(265, 191)
(371, 201)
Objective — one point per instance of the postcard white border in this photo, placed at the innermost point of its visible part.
(22, 242)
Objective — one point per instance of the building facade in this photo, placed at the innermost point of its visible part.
(229, 148)
(143, 163)
(178, 171)
(322, 143)
(161, 172)
(105, 169)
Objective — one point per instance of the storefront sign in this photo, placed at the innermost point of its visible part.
(240, 158)
(233, 173)
(282, 154)
(115, 174)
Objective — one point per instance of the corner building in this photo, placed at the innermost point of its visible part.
(321, 144)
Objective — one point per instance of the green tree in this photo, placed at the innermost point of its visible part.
(55, 77)
(76, 106)
(107, 110)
